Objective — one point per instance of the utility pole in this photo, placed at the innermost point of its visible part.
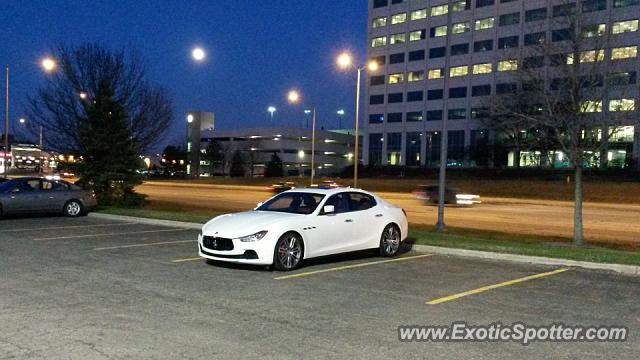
(6, 121)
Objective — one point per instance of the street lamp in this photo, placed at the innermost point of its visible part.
(294, 97)
(271, 110)
(198, 54)
(48, 64)
(345, 61)
(340, 115)
(23, 121)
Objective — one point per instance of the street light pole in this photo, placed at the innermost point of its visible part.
(6, 122)
(355, 152)
(313, 145)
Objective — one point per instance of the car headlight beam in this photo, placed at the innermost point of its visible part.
(253, 237)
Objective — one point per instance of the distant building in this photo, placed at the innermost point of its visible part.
(197, 123)
(333, 150)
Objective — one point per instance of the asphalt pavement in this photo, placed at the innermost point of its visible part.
(91, 288)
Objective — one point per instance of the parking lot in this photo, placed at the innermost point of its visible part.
(92, 288)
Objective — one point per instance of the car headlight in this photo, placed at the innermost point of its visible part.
(253, 237)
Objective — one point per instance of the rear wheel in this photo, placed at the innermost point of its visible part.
(73, 208)
(390, 241)
(288, 252)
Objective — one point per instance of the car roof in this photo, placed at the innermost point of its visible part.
(329, 191)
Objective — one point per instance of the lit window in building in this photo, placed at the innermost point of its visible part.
(483, 24)
(460, 5)
(594, 30)
(459, 71)
(622, 105)
(485, 68)
(625, 3)
(627, 52)
(379, 41)
(435, 74)
(417, 35)
(508, 65)
(419, 14)
(398, 18)
(379, 22)
(394, 148)
(439, 31)
(396, 78)
(592, 56)
(620, 27)
(439, 10)
(397, 38)
(591, 106)
(461, 27)
(415, 76)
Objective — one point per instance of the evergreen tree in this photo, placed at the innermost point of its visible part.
(274, 167)
(237, 165)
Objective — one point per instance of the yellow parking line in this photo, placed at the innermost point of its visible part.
(142, 245)
(187, 259)
(495, 286)
(346, 267)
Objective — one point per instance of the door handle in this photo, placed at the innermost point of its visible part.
(378, 215)
(349, 220)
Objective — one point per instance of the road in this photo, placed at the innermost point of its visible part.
(92, 288)
(602, 222)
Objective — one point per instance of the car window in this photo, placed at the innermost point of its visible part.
(49, 185)
(293, 202)
(360, 201)
(340, 203)
(26, 186)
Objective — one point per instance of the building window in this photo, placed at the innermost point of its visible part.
(396, 78)
(432, 142)
(395, 98)
(485, 68)
(376, 119)
(627, 52)
(509, 19)
(457, 92)
(380, 3)
(591, 106)
(415, 76)
(481, 90)
(625, 3)
(505, 88)
(484, 45)
(394, 117)
(439, 10)
(461, 5)
(398, 18)
(434, 115)
(483, 24)
(393, 2)
(482, 3)
(561, 35)
(379, 41)
(379, 22)
(455, 147)
(376, 80)
(435, 74)
(415, 96)
(622, 105)
(459, 71)
(375, 149)
(438, 31)
(461, 27)
(535, 14)
(419, 14)
(622, 78)
(457, 114)
(413, 148)
(508, 65)
(437, 52)
(620, 27)
(564, 10)
(557, 59)
(593, 5)
(460, 49)
(396, 58)
(594, 30)
(508, 42)
(588, 56)
(394, 148)
(435, 94)
(533, 62)
(418, 35)
(416, 55)
(414, 116)
(397, 38)
(376, 99)
(480, 113)
(534, 38)
(380, 60)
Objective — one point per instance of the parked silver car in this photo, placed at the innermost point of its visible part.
(35, 195)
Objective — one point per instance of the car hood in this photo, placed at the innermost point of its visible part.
(244, 223)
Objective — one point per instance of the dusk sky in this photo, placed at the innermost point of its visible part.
(257, 50)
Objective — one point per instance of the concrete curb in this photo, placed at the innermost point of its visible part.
(537, 260)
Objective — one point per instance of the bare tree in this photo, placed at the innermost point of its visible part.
(60, 106)
(564, 97)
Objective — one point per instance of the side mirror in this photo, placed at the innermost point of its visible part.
(328, 209)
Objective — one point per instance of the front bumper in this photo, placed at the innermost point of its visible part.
(255, 253)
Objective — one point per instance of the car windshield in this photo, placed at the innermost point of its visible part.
(5, 186)
(293, 202)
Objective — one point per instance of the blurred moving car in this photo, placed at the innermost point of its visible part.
(326, 184)
(35, 195)
(429, 193)
(277, 188)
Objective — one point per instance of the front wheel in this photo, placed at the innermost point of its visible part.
(288, 252)
(390, 241)
(73, 208)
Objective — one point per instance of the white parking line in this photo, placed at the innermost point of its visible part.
(67, 227)
(141, 245)
(111, 234)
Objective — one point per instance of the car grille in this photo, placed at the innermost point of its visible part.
(217, 243)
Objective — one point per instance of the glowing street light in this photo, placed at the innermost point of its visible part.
(271, 110)
(190, 118)
(198, 54)
(294, 97)
(48, 64)
(22, 120)
(82, 95)
(344, 60)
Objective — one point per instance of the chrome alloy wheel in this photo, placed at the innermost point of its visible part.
(390, 241)
(73, 208)
(289, 252)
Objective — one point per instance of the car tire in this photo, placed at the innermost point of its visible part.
(73, 208)
(288, 252)
(390, 241)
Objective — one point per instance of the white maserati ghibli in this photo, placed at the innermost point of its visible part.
(304, 223)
